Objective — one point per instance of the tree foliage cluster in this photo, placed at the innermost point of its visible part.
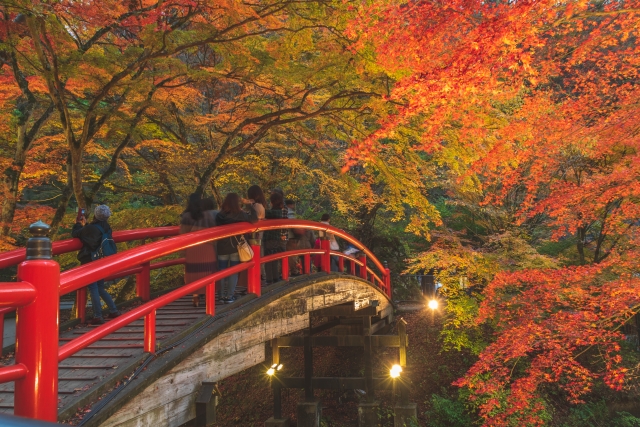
(526, 113)
(139, 103)
(502, 132)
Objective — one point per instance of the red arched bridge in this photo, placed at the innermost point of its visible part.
(55, 372)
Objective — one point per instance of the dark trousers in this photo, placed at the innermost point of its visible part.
(97, 291)
(273, 268)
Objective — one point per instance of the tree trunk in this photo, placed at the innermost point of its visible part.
(11, 181)
(67, 192)
(582, 235)
(76, 178)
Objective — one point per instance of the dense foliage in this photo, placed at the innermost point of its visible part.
(145, 102)
(493, 143)
(527, 111)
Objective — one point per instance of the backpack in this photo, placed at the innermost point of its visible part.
(107, 245)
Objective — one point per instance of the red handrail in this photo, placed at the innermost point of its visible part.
(15, 257)
(38, 351)
(83, 275)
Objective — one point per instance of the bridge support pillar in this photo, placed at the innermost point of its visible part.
(404, 414)
(206, 403)
(368, 414)
(277, 422)
(308, 413)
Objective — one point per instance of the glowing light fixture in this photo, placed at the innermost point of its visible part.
(395, 371)
(433, 304)
(274, 368)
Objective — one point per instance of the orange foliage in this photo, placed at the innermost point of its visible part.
(538, 97)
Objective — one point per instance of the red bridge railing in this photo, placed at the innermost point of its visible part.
(35, 296)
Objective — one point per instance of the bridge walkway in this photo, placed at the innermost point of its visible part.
(94, 370)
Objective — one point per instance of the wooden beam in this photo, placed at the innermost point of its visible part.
(341, 341)
(368, 358)
(336, 383)
(402, 335)
(275, 352)
(378, 325)
(347, 310)
(308, 366)
(324, 326)
(206, 402)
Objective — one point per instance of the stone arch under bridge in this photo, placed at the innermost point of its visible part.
(164, 393)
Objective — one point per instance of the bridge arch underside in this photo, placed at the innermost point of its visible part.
(164, 394)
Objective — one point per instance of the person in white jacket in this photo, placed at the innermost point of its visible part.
(332, 241)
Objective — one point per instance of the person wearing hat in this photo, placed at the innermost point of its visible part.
(91, 237)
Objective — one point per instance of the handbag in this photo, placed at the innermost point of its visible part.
(245, 252)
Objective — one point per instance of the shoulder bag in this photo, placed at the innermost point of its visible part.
(245, 252)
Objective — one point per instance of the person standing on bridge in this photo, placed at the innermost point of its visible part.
(231, 213)
(92, 236)
(293, 241)
(200, 260)
(325, 219)
(256, 195)
(275, 241)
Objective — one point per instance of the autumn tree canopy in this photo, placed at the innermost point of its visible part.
(491, 142)
(528, 111)
(165, 98)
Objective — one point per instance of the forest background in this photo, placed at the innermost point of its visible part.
(493, 143)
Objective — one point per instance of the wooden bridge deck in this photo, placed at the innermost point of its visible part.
(97, 368)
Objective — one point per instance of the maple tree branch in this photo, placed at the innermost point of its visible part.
(37, 125)
(84, 47)
(127, 138)
(50, 71)
(270, 120)
(167, 129)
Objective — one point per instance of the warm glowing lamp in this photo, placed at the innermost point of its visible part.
(395, 371)
(273, 369)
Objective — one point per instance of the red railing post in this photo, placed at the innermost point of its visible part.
(306, 264)
(387, 279)
(285, 268)
(81, 304)
(36, 395)
(363, 267)
(325, 264)
(253, 274)
(143, 280)
(210, 298)
(352, 267)
(1, 331)
(150, 332)
(341, 265)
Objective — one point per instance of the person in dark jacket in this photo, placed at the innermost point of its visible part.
(200, 260)
(91, 238)
(230, 213)
(275, 241)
